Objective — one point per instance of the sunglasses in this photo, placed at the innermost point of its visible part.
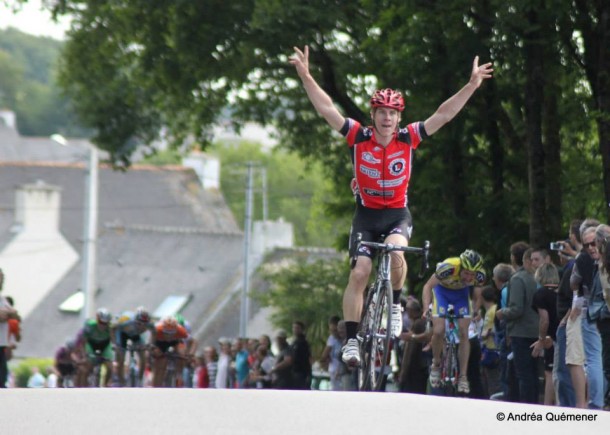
(590, 244)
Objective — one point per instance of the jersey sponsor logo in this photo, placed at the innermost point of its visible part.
(371, 172)
(367, 132)
(397, 166)
(463, 311)
(364, 250)
(399, 153)
(370, 158)
(374, 192)
(444, 272)
(391, 183)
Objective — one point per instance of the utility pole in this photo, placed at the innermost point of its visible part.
(265, 200)
(89, 257)
(90, 235)
(245, 299)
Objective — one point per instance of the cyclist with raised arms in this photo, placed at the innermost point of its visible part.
(131, 326)
(450, 285)
(381, 158)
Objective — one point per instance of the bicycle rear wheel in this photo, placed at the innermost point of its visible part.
(380, 336)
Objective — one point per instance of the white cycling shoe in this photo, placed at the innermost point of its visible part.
(351, 352)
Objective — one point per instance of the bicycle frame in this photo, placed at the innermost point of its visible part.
(133, 368)
(375, 326)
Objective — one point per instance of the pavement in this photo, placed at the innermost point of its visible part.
(234, 412)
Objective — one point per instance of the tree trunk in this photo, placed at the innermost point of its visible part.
(533, 121)
(596, 37)
(552, 152)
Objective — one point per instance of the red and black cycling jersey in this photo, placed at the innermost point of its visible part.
(382, 173)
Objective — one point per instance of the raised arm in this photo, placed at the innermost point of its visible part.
(320, 99)
(447, 111)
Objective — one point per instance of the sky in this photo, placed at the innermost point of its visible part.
(31, 19)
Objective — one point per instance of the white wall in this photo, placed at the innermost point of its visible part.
(267, 235)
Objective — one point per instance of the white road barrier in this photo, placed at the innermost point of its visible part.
(233, 412)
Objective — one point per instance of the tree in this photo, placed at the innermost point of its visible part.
(493, 175)
(307, 291)
(290, 188)
(27, 85)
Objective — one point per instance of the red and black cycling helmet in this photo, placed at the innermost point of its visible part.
(388, 98)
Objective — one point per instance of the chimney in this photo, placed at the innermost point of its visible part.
(8, 118)
(37, 207)
(206, 167)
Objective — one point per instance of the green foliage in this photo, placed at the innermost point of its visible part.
(307, 291)
(23, 371)
(134, 66)
(165, 157)
(27, 85)
(291, 186)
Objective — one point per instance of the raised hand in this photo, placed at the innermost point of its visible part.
(480, 73)
(300, 59)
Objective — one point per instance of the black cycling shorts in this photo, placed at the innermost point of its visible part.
(374, 223)
(165, 345)
(136, 340)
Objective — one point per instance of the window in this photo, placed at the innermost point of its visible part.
(172, 305)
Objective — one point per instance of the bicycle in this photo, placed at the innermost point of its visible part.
(173, 357)
(450, 369)
(374, 331)
(133, 368)
(95, 377)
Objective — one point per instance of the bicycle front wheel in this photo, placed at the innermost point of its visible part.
(365, 339)
(450, 370)
(381, 332)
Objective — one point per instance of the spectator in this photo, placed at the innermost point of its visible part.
(545, 303)
(413, 377)
(36, 379)
(260, 374)
(223, 375)
(242, 361)
(589, 342)
(522, 324)
(331, 355)
(501, 276)
(265, 340)
(211, 363)
(490, 358)
(6, 313)
(51, 377)
(562, 379)
(527, 260)
(301, 353)
(14, 332)
(281, 373)
(539, 257)
(602, 238)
